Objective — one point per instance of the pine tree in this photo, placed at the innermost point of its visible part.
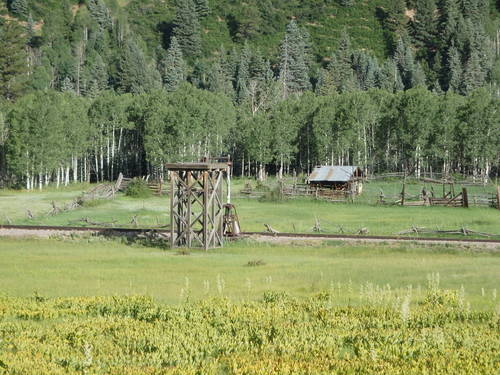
(449, 13)
(339, 72)
(219, 81)
(424, 26)
(258, 66)
(243, 73)
(418, 76)
(20, 8)
(389, 78)
(365, 68)
(99, 74)
(174, 66)
(405, 62)
(133, 73)
(13, 66)
(454, 70)
(202, 8)
(187, 28)
(395, 19)
(475, 10)
(100, 12)
(93, 90)
(294, 73)
(67, 85)
(474, 75)
(308, 47)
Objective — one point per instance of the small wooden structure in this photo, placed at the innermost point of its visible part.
(345, 178)
(197, 204)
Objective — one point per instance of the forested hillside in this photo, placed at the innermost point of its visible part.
(92, 88)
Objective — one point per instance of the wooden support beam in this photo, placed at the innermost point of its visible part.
(465, 198)
(173, 204)
(196, 207)
(403, 193)
(498, 197)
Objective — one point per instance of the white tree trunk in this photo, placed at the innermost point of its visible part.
(66, 179)
(487, 169)
(102, 165)
(280, 173)
(97, 167)
(261, 172)
(75, 169)
(84, 168)
(417, 161)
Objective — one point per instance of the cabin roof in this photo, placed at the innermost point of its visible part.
(334, 173)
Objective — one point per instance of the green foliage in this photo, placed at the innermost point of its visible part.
(340, 76)
(185, 117)
(13, 67)
(100, 13)
(20, 8)
(202, 8)
(40, 139)
(424, 25)
(174, 66)
(294, 75)
(134, 74)
(258, 66)
(187, 28)
(138, 188)
(436, 298)
(97, 334)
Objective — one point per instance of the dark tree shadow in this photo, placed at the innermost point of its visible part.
(233, 26)
(389, 42)
(167, 31)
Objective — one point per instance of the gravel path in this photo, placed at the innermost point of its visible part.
(281, 239)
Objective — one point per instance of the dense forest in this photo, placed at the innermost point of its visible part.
(92, 88)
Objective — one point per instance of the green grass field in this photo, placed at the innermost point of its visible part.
(286, 216)
(90, 305)
(97, 267)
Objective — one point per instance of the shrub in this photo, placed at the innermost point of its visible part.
(256, 263)
(261, 186)
(92, 203)
(138, 188)
(438, 297)
(272, 195)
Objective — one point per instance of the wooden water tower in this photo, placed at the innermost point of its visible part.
(197, 204)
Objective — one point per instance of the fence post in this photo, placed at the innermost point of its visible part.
(498, 197)
(465, 198)
(403, 194)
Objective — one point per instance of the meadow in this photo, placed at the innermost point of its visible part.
(93, 306)
(89, 305)
(240, 271)
(275, 335)
(297, 215)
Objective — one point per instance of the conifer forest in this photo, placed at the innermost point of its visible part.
(92, 88)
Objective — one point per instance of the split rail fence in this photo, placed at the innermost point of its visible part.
(304, 190)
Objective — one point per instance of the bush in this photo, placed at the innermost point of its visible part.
(272, 195)
(138, 188)
(261, 186)
(255, 263)
(445, 298)
(92, 203)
